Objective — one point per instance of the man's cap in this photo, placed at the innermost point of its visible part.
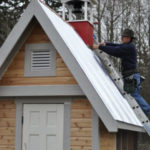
(128, 33)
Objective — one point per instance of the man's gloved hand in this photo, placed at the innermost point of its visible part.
(102, 44)
(97, 46)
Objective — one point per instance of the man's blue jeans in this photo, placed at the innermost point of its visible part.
(136, 94)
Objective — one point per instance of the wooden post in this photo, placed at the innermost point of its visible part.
(86, 11)
(63, 11)
(70, 14)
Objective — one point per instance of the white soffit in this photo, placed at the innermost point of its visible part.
(106, 89)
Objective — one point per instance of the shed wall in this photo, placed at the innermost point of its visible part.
(107, 139)
(81, 125)
(7, 124)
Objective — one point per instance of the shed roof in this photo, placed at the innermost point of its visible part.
(110, 105)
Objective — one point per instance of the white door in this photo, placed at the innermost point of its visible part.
(43, 127)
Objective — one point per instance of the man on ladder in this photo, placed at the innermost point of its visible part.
(128, 54)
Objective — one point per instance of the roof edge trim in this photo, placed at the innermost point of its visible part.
(126, 126)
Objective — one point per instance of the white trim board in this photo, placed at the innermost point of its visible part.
(45, 90)
(95, 131)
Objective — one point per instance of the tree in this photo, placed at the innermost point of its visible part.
(114, 16)
(54, 4)
(11, 10)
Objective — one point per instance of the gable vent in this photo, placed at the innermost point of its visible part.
(41, 59)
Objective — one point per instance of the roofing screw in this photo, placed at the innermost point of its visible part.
(109, 65)
(124, 94)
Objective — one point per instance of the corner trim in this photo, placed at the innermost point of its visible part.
(18, 135)
(95, 131)
(67, 117)
(45, 90)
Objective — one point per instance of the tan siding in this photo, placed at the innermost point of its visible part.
(81, 125)
(107, 139)
(15, 73)
(7, 124)
(7, 148)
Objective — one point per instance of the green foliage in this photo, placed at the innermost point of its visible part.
(10, 11)
(55, 4)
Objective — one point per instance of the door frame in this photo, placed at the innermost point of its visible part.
(49, 100)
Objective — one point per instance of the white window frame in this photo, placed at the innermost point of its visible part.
(28, 72)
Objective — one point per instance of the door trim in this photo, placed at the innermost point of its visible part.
(19, 112)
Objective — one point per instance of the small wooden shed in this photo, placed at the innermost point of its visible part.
(51, 98)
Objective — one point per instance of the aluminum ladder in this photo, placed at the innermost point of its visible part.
(117, 78)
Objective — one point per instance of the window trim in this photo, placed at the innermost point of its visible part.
(28, 72)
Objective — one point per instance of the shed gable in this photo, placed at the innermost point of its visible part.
(15, 72)
(102, 94)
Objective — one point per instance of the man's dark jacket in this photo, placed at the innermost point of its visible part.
(127, 52)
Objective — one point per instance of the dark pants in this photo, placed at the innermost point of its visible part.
(136, 94)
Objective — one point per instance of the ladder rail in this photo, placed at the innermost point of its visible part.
(117, 78)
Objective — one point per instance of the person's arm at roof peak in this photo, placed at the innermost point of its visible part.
(117, 51)
(112, 44)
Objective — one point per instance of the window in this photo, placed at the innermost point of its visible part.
(40, 60)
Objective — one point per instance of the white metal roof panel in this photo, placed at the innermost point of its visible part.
(106, 89)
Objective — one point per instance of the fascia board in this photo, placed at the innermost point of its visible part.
(45, 90)
(126, 126)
